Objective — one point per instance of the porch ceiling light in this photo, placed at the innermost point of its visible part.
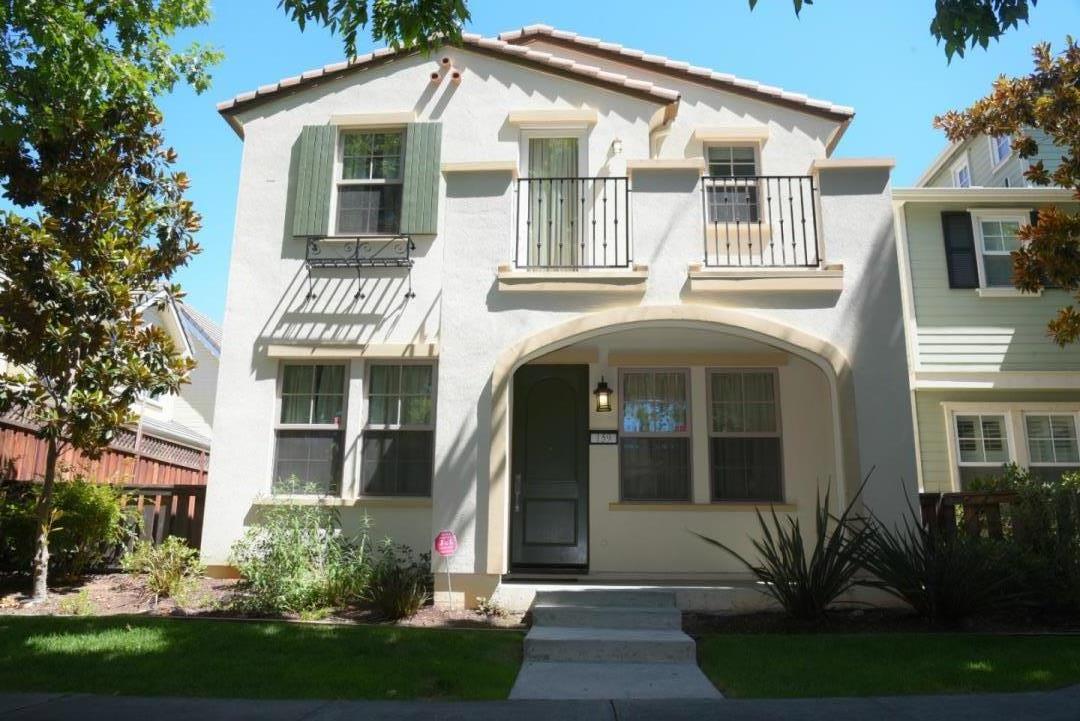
(603, 396)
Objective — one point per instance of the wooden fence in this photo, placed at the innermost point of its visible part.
(978, 513)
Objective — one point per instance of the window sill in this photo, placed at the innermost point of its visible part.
(719, 506)
(338, 502)
(585, 280)
(1005, 293)
(825, 279)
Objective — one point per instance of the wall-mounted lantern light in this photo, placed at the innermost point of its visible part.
(603, 396)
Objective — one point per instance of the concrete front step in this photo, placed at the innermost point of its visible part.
(604, 597)
(639, 617)
(541, 680)
(559, 643)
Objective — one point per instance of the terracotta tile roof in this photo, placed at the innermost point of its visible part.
(661, 64)
(517, 53)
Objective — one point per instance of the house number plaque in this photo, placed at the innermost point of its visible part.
(603, 438)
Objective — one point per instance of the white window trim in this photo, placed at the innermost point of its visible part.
(954, 171)
(337, 181)
(995, 162)
(279, 426)
(779, 433)
(688, 433)
(1023, 217)
(1074, 412)
(1014, 426)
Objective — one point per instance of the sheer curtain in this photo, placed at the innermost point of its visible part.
(554, 202)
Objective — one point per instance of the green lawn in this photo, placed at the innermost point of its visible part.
(805, 665)
(146, 656)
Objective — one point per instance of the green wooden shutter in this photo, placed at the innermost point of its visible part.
(960, 261)
(314, 168)
(420, 203)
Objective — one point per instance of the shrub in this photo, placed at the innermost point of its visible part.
(945, 577)
(297, 559)
(90, 523)
(486, 606)
(806, 581)
(76, 604)
(401, 583)
(170, 569)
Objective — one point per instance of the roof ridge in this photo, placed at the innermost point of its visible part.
(590, 44)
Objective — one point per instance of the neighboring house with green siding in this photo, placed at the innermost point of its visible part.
(988, 162)
(988, 385)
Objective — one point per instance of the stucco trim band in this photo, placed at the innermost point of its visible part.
(374, 119)
(559, 118)
(720, 133)
(573, 281)
(828, 279)
(369, 350)
(483, 166)
(830, 359)
(695, 164)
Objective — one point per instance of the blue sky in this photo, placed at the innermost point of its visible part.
(876, 56)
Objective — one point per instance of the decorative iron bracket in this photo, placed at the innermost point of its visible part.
(359, 253)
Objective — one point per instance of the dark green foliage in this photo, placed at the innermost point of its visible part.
(804, 580)
(401, 23)
(90, 522)
(401, 583)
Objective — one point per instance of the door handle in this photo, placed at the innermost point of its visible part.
(517, 493)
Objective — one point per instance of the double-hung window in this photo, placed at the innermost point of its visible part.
(370, 183)
(744, 436)
(1052, 443)
(982, 445)
(397, 453)
(1000, 149)
(732, 185)
(996, 237)
(307, 456)
(654, 452)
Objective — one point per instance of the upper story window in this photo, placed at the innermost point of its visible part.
(1000, 149)
(307, 454)
(744, 436)
(996, 240)
(961, 173)
(654, 453)
(732, 192)
(369, 187)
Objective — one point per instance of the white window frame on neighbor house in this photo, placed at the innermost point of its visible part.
(777, 433)
(1074, 415)
(339, 428)
(1020, 216)
(369, 426)
(996, 159)
(959, 164)
(687, 433)
(339, 181)
(1015, 429)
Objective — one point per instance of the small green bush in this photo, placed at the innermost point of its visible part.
(91, 522)
(76, 604)
(297, 560)
(169, 569)
(401, 582)
(805, 581)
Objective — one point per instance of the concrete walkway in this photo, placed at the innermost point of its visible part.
(608, 644)
(1052, 706)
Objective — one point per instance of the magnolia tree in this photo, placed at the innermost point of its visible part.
(100, 223)
(1047, 99)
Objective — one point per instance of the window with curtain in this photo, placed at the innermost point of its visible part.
(556, 196)
(732, 191)
(397, 452)
(307, 453)
(1052, 444)
(982, 446)
(654, 451)
(997, 241)
(744, 436)
(369, 189)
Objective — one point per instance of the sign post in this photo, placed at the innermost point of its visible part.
(446, 546)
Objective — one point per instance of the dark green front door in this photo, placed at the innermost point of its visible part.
(549, 511)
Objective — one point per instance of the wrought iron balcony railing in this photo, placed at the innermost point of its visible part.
(572, 223)
(760, 220)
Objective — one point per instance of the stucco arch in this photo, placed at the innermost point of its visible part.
(830, 359)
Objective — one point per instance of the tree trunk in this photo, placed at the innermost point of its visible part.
(44, 522)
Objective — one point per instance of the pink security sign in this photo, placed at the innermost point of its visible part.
(446, 543)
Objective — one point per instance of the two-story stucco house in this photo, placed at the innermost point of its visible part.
(568, 300)
(988, 385)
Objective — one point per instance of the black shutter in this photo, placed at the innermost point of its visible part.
(1034, 216)
(960, 249)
